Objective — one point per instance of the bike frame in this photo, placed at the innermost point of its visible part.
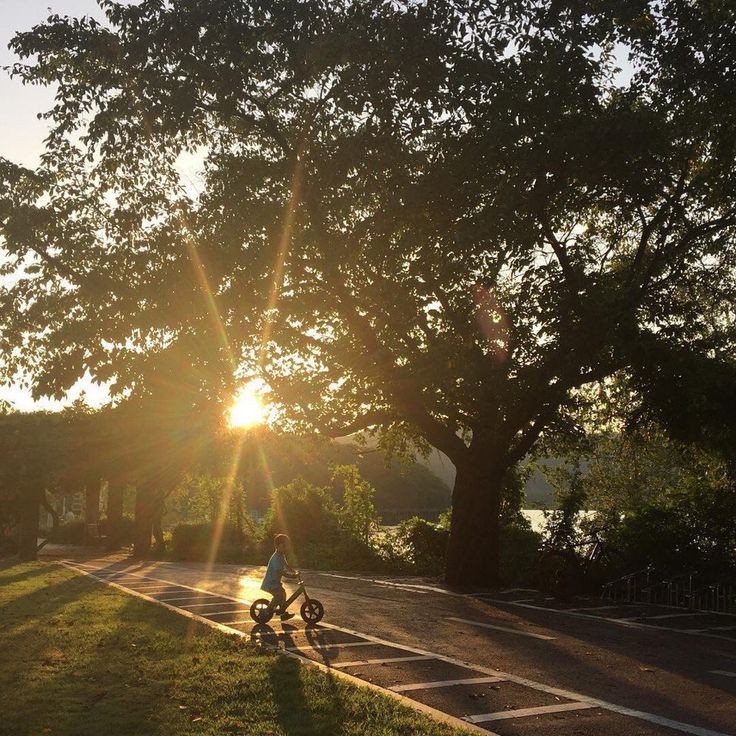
(299, 591)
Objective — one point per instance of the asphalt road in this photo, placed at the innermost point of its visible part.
(535, 666)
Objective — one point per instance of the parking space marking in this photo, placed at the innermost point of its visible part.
(634, 624)
(524, 712)
(444, 683)
(725, 673)
(388, 583)
(182, 598)
(317, 647)
(206, 605)
(671, 615)
(382, 660)
(500, 628)
(222, 613)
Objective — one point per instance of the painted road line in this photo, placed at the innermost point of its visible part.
(185, 598)
(524, 712)
(618, 621)
(670, 615)
(382, 660)
(438, 715)
(541, 687)
(596, 608)
(500, 628)
(74, 566)
(725, 673)
(317, 647)
(402, 586)
(206, 605)
(444, 683)
(207, 614)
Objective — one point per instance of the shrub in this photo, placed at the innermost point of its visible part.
(519, 555)
(194, 542)
(306, 513)
(127, 528)
(68, 532)
(422, 544)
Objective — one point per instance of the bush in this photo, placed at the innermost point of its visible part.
(68, 532)
(421, 544)
(194, 542)
(303, 511)
(127, 529)
(519, 555)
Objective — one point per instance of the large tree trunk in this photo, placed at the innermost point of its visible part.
(473, 549)
(28, 528)
(144, 516)
(114, 515)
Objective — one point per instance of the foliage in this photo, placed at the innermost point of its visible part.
(357, 514)
(654, 502)
(396, 228)
(427, 544)
(196, 542)
(519, 555)
(68, 532)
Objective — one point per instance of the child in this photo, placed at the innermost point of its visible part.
(277, 568)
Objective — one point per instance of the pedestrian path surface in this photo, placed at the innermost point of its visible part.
(478, 697)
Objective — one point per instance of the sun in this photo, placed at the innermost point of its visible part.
(247, 409)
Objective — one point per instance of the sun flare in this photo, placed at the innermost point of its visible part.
(248, 408)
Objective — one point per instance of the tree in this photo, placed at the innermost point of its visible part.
(435, 220)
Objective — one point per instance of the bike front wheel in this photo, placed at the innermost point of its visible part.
(312, 611)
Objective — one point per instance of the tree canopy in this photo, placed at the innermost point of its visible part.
(440, 219)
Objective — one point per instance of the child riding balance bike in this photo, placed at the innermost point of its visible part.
(262, 610)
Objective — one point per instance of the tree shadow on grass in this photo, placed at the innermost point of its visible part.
(31, 570)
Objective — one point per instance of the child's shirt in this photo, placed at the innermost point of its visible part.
(274, 572)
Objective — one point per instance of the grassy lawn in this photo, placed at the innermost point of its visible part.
(77, 657)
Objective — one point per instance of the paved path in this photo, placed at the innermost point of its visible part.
(510, 663)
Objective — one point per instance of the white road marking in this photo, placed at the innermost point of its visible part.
(222, 613)
(725, 673)
(186, 598)
(523, 712)
(382, 660)
(500, 628)
(444, 683)
(205, 605)
(634, 624)
(595, 608)
(309, 647)
(672, 615)
(403, 586)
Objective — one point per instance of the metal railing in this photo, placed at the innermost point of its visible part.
(685, 590)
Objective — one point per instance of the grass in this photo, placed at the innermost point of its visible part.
(77, 657)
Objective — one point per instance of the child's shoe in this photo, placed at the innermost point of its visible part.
(286, 616)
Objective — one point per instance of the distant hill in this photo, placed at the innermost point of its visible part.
(400, 491)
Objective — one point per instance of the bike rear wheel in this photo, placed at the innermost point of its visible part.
(260, 611)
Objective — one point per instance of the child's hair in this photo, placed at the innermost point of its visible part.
(280, 538)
